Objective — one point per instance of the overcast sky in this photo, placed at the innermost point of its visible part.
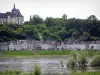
(53, 8)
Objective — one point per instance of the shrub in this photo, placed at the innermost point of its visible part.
(96, 61)
(74, 53)
(25, 73)
(79, 58)
(71, 62)
(82, 58)
(61, 62)
(37, 70)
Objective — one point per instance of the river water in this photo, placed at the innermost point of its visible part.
(48, 64)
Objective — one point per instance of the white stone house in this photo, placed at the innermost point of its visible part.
(94, 46)
(21, 45)
(47, 45)
(4, 46)
(13, 45)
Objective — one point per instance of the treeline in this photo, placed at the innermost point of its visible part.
(59, 29)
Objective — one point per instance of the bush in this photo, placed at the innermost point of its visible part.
(11, 71)
(79, 58)
(25, 73)
(96, 61)
(61, 62)
(71, 62)
(37, 70)
(82, 58)
(86, 73)
(74, 53)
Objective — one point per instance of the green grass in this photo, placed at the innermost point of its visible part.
(66, 52)
(93, 52)
(16, 53)
(87, 73)
(54, 52)
(14, 72)
(23, 53)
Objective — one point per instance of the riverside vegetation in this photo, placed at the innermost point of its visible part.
(37, 71)
(16, 72)
(80, 59)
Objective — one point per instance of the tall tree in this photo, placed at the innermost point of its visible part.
(36, 19)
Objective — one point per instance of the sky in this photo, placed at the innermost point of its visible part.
(53, 8)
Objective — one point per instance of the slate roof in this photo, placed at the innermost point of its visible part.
(3, 15)
(15, 13)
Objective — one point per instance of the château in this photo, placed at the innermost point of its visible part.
(13, 17)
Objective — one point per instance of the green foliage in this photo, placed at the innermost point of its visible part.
(61, 61)
(96, 61)
(75, 34)
(25, 73)
(49, 21)
(19, 31)
(86, 73)
(36, 19)
(58, 29)
(82, 58)
(79, 58)
(74, 53)
(71, 62)
(37, 70)
(10, 72)
(85, 36)
(14, 72)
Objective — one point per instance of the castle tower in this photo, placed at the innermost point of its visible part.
(14, 5)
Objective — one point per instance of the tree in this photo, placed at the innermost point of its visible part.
(49, 21)
(64, 16)
(36, 19)
(63, 34)
(75, 34)
(19, 31)
(47, 34)
(86, 36)
(92, 17)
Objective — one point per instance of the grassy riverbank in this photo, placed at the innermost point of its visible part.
(16, 72)
(87, 73)
(29, 53)
(65, 52)
(16, 53)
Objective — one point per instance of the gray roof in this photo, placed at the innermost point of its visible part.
(15, 13)
(3, 15)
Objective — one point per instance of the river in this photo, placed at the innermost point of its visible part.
(48, 64)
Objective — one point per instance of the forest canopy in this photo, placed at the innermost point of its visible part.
(58, 29)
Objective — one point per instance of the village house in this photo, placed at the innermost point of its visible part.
(4, 46)
(48, 45)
